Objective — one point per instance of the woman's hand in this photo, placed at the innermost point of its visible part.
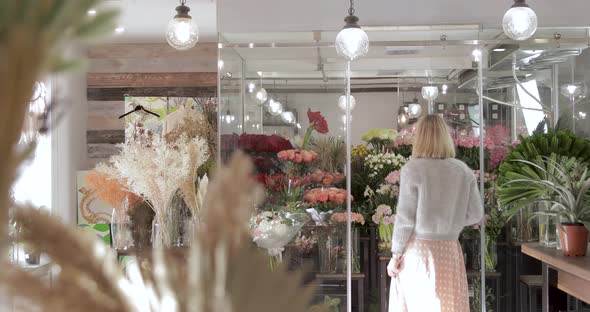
(394, 265)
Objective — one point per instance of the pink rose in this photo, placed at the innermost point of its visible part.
(393, 177)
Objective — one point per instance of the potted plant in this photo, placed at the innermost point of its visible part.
(563, 183)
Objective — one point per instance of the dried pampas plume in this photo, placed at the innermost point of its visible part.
(219, 275)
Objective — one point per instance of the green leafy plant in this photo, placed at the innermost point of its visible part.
(561, 143)
(562, 182)
(475, 300)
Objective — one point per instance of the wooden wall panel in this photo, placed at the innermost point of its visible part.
(152, 57)
(143, 80)
(152, 69)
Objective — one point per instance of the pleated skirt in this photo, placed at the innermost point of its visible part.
(432, 278)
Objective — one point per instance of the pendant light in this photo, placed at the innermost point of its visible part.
(342, 102)
(274, 107)
(229, 118)
(520, 21)
(430, 93)
(261, 94)
(182, 33)
(414, 109)
(352, 41)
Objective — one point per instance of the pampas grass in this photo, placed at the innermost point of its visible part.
(222, 273)
(33, 35)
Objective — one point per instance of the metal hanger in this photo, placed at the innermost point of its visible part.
(139, 109)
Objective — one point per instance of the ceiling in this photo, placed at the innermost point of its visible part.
(306, 15)
(145, 21)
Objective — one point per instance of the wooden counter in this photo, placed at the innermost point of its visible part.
(573, 273)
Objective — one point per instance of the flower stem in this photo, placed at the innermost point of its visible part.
(307, 136)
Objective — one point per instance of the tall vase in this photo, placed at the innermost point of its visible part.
(491, 254)
(355, 252)
(524, 229)
(385, 235)
(547, 228)
(121, 232)
(328, 250)
(176, 228)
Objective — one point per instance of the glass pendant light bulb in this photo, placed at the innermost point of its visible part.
(352, 41)
(182, 33)
(414, 110)
(261, 95)
(574, 89)
(430, 93)
(274, 108)
(342, 102)
(288, 117)
(520, 21)
(229, 118)
(402, 120)
(251, 87)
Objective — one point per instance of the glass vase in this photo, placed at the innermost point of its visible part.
(121, 228)
(356, 258)
(547, 228)
(179, 235)
(491, 254)
(176, 228)
(384, 244)
(524, 226)
(329, 248)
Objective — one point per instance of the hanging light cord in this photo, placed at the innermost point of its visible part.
(351, 10)
(182, 2)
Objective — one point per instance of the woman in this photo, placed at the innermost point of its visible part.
(438, 198)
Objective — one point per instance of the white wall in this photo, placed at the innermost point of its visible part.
(69, 143)
(373, 110)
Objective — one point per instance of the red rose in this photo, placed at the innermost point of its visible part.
(319, 122)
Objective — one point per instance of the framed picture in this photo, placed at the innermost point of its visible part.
(494, 115)
(494, 106)
(441, 107)
(461, 107)
(462, 116)
(90, 209)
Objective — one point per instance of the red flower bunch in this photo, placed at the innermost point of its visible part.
(260, 143)
(325, 178)
(298, 155)
(318, 121)
(324, 195)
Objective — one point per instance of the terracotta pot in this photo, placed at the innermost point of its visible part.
(574, 239)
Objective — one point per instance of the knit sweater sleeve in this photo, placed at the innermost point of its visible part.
(475, 207)
(405, 220)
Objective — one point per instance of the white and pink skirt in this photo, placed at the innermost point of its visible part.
(432, 278)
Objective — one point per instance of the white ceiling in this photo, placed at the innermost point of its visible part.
(145, 21)
(306, 15)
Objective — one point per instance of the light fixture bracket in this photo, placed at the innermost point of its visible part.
(351, 22)
(520, 4)
(182, 11)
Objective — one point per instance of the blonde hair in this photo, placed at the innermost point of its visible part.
(433, 139)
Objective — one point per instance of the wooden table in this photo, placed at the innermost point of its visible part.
(570, 274)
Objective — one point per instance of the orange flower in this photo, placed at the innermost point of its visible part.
(110, 190)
